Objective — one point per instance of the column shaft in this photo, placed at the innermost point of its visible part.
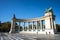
(41, 24)
(52, 23)
(36, 25)
(19, 26)
(11, 27)
(12, 30)
(32, 25)
(28, 25)
(24, 26)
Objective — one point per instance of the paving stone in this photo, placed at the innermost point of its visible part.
(17, 36)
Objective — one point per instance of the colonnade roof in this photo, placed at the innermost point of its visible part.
(30, 20)
(36, 19)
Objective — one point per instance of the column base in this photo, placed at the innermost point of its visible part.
(32, 30)
(27, 30)
(51, 31)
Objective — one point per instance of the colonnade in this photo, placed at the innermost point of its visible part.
(41, 25)
(32, 24)
(48, 19)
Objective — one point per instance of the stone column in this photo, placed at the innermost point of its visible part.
(54, 25)
(12, 30)
(36, 25)
(11, 27)
(41, 24)
(28, 25)
(19, 26)
(55, 30)
(24, 26)
(32, 25)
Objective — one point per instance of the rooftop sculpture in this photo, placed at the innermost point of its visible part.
(48, 10)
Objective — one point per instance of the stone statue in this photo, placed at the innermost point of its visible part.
(14, 16)
(48, 10)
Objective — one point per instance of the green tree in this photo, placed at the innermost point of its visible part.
(5, 27)
(58, 27)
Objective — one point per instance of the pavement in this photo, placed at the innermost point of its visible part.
(18, 36)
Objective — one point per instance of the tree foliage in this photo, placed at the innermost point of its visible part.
(5, 27)
(58, 27)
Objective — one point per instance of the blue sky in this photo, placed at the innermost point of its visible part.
(27, 9)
